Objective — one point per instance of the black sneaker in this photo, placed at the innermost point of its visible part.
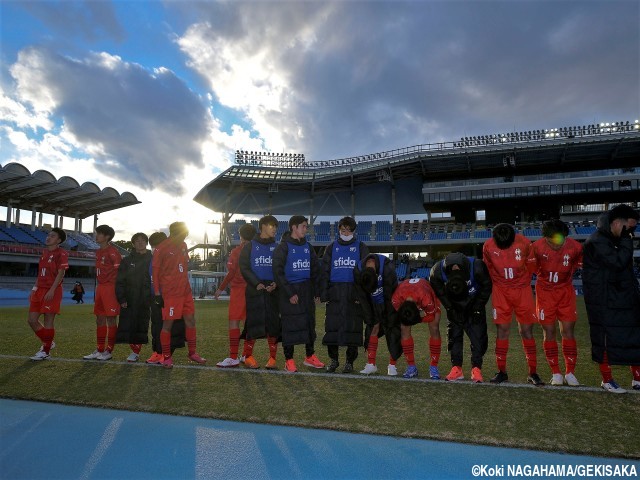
(348, 368)
(331, 368)
(500, 377)
(534, 379)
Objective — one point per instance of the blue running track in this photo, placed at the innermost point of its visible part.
(43, 440)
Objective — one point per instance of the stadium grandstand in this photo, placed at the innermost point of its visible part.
(41, 193)
(431, 199)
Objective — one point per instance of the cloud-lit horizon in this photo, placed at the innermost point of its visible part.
(154, 98)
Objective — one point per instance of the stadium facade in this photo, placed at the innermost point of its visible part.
(521, 178)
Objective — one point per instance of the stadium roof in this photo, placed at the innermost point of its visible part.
(326, 188)
(42, 192)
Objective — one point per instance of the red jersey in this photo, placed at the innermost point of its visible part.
(107, 263)
(233, 275)
(508, 267)
(422, 294)
(554, 267)
(169, 270)
(51, 262)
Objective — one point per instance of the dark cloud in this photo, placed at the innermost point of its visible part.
(141, 127)
(380, 75)
(89, 20)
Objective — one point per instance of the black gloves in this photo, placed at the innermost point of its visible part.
(157, 299)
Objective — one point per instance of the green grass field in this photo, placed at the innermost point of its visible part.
(572, 420)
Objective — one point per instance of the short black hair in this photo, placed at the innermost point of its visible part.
(348, 222)
(267, 220)
(623, 212)
(247, 232)
(504, 235)
(62, 235)
(408, 313)
(157, 238)
(553, 227)
(297, 220)
(106, 230)
(139, 235)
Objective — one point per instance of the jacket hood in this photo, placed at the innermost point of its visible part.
(604, 224)
(459, 259)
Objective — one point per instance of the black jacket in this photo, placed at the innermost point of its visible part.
(344, 318)
(381, 313)
(611, 296)
(298, 321)
(133, 286)
(459, 309)
(263, 318)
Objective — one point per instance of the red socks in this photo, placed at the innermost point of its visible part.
(502, 348)
(570, 353)
(407, 349)
(435, 346)
(605, 369)
(391, 361)
(273, 346)
(46, 337)
(190, 335)
(101, 337)
(135, 348)
(635, 371)
(234, 342)
(248, 348)
(165, 341)
(111, 337)
(529, 345)
(551, 352)
(372, 349)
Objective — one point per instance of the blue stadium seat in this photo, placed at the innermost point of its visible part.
(400, 237)
(437, 236)
(382, 237)
(460, 235)
(417, 236)
(532, 232)
(401, 271)
(20, 236)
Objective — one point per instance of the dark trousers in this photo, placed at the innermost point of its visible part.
(477, 333)
(352, 353)
(288, 350)
(156, 328)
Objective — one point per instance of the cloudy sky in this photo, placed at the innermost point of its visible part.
(155, 97)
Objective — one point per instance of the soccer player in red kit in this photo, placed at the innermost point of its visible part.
(416, 302)
(46, 295)
(173, 291)
(237, 301)
(506, 258)
(554, 258)
(106, 307)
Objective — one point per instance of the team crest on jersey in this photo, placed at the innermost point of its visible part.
(50, 258)
(352, 249)
(518, 254)
(565, 260)
(306, 250)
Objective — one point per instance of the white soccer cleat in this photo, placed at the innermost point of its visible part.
(106, 355)
(571, 380)
(228, 363)
(241, 359)
(133, 357)
(557, 379)
(368, 369)
(613, 387)
(40, 355)
(635, 384)
(392, 371)
(92, 356)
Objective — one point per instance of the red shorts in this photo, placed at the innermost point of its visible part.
(106, 302)
(37, 303)
(176, 307)
(237, 305)
(508, 300)
(559, 303)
